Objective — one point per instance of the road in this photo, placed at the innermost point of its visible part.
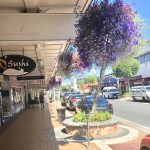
(137, 112)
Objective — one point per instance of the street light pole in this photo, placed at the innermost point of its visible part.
(88, 133)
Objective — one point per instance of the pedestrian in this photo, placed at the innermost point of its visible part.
(42, 100)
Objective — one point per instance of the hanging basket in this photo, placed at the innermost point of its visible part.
(106, 31)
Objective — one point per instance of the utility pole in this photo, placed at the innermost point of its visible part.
(88, 131)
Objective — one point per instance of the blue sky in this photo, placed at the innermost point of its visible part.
(142, 7)
(143, 10)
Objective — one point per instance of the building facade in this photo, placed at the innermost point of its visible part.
(142, 77)
(144, 70)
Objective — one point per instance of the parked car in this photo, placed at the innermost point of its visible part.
(66, 96)
(62, 94)
(145, 143)
(141, 93)
(74, 101)
(110, 92)
(102, 104)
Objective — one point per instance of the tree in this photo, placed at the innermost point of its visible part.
(91, 78)
(126, 68)
(107, 31)
(66, 87)
(80, 82)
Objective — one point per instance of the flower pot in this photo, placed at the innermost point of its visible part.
(61, 114)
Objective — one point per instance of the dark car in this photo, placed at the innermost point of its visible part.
(66, 97)
(145, 143)
(102, 104)
(74, 101)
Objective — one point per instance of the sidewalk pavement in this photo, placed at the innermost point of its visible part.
(34, 129)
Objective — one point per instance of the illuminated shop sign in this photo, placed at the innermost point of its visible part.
(16, 65)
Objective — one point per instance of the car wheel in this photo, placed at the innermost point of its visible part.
(71, 108)
(63, 104)
(143, 99)
(134, 99)
(108, 97)
(116, 97)
(144, 148)
(75, 110)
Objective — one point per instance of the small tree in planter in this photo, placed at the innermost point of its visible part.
(126, 68)
(106, 32)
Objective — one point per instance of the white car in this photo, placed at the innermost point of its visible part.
(141, 93)
(110, 92)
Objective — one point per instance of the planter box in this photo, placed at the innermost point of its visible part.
(97, 130)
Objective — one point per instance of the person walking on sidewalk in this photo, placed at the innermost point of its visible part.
(42, 100)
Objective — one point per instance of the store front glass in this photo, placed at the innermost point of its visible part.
(17, 98)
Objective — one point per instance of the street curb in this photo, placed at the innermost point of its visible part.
(103, 144)
(133, 134)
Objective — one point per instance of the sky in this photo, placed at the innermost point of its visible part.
(143, 10)
(142, 7)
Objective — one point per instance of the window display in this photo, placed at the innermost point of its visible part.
(17, 100)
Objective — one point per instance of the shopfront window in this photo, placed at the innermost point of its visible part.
(17, 100)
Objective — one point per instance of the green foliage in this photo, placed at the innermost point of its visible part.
(94, 117)
(65, 87)
(91, 78)
(126, 68)
(80, 83)
(79, 117)
(100, 116)
(59, 72)
(134, 66)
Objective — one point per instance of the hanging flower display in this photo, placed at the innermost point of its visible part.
(65, 62)
(54, 81)
(51, 83)
(58, 79)
(107, 31)
(69, 61)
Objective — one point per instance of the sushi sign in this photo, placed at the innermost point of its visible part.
(16, 65)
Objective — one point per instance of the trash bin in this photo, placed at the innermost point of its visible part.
(61, 114)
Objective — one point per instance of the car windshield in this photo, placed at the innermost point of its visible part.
(72, 93)
(67, 94)
(89, 100)
(76, 97)
(113, 90)
(101, 100)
